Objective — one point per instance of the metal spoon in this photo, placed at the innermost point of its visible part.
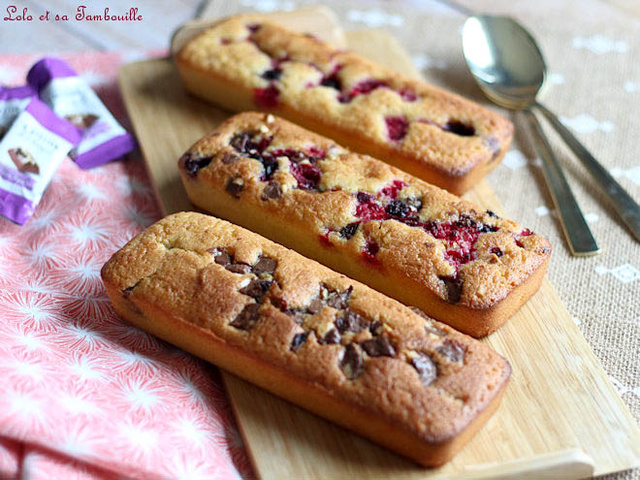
(510, 70)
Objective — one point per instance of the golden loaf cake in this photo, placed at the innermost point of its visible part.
(412, 241)
(435, 135)
(307, 334)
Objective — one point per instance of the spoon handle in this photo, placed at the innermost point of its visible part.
(621, 201)
(576, 230)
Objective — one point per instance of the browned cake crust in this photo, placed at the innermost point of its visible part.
(406, 238)
(438, 136)
(308, 334)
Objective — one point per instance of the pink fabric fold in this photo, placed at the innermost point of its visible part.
(10, 458)
(85, 395)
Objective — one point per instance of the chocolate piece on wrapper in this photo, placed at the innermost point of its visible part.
(80, 121)
(13, 100)
(30, 152)
(71, 98)
(24, 161)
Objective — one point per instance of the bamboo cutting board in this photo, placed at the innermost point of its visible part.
(560, 417)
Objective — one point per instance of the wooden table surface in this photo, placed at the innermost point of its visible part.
(160, 19)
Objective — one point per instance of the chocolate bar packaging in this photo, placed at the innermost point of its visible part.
(71, 98)
(13, 100)
(30, 152)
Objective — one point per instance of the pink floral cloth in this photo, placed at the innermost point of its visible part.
(84, 395)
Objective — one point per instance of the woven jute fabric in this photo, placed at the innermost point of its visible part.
(592, 50)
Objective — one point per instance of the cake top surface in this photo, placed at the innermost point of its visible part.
(464, 254)
(282, 67)
(320, 326)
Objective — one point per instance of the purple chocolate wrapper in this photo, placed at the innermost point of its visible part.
(11, 93)
(13, 100)
(49, 120)
(16, 208)
(114, 146)
(20, 179)
(19, 207)
(47, 69)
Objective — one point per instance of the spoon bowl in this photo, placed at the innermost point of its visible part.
(504, 59)
(509, 68)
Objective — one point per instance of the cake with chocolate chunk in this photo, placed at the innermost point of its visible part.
(435, 135)
(461, 264)
(308, 334)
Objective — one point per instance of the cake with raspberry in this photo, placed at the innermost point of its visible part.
(435, 135)
(308, 334)
(413, 241)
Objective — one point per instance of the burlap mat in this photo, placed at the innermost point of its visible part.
(592, 50)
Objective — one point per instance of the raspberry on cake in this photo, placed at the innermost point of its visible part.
(308, 334)
(435, 135)
(413, 241)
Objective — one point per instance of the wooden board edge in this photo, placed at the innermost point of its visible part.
(128, 100)
(572, 464)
